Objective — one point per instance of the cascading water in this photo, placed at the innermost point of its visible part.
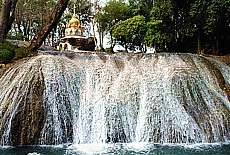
(101, 98)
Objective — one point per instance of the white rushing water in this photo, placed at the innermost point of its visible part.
(90, 98)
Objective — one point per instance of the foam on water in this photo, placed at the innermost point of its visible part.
(101, 148)
(143, 148)
(34, 153)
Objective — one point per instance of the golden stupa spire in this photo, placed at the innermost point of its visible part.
(74, 22)
(74, 10)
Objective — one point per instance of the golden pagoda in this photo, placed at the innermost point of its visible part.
(74, 27)
(74, 39)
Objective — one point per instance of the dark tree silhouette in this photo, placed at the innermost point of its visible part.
(41, 35)
(6, 17)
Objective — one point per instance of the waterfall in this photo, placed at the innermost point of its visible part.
(120, 98)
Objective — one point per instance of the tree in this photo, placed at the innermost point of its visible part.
(141, 7)
(198, 15)
(161, 27)
(156, 35)
(41, 35)
(211, 24)
(131, 32)
(6, 56)
(217, 26)
(62, 24)
(95, 20)
(30, 15)
(113, 12)
(101, 22)
(6, 17)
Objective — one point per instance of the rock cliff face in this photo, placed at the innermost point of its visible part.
(28, 119)
(99, 98)
(21, 105)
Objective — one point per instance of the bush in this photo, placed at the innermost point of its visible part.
(18, 36)
(7, 52)
(6, 56)
(8, 46)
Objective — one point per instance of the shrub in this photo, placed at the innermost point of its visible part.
(6, 56)
(8, 46)
(18, 36)
(7, 52)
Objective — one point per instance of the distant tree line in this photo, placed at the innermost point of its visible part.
(197, 26)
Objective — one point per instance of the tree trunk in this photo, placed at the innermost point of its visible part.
(217, 47)
(102, 40)
(212, 41)
(41, 35)
(154, 2)
(100, 35)
(4, 18)
(94, 33)
(198, 43)
(12, 16)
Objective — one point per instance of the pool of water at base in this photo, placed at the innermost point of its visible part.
(120, 149)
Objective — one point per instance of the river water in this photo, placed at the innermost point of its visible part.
(121, 149)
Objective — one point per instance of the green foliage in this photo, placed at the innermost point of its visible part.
(6, 56)
(66, 17)
(113, 12)
(7, 52)
(18, 36)
(160, 26)
(178, 25)
(131, 32)
(116, 10)
(217, 17)
(162, 10)
(141, 7)
(62, 24)
(154, 34)
(211, 20)
(8, 46)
